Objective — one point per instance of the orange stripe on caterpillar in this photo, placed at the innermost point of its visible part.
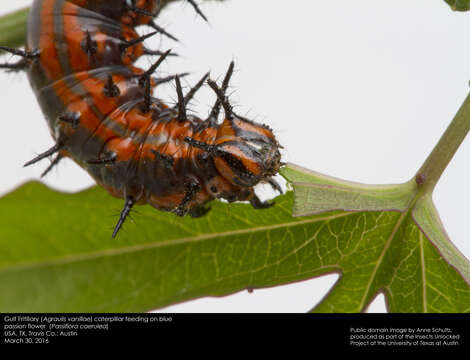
(102, 114)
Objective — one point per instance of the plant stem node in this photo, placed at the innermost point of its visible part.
(420, 179)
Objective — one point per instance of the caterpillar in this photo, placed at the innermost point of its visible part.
(101, 112)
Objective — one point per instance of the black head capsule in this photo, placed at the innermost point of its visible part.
(246, 152)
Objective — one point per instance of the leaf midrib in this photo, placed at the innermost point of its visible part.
(153, 245)
(380, 259)
(404, 214)
(423, 271)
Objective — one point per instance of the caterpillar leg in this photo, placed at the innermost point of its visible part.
(275, 185)
(192, 187)
(258, 204)
(130, 202)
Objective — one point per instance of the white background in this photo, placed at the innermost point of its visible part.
(360, 90)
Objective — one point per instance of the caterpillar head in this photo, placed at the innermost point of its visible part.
(245, 152)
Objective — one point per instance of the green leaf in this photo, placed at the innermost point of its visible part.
(57, 255)
(459, 5)
(13, 28)
(395, 244)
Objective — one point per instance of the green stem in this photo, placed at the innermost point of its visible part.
(459, 5)
(432, 169)
(13, 28)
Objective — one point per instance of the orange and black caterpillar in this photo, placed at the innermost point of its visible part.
(101, 113)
